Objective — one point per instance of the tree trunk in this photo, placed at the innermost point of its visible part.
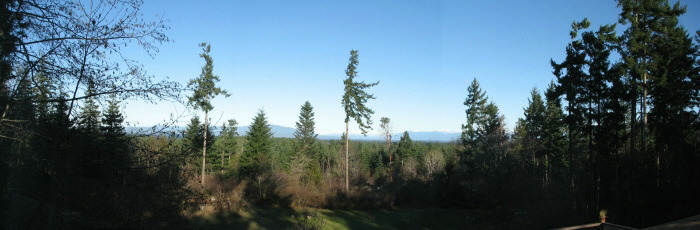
(391, 173)
(633, 118)
(644, 111)
(388, 138)
(222, 161)
(204, 151)
(571, 159)
(347, 159)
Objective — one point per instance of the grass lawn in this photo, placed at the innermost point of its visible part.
(269, 217)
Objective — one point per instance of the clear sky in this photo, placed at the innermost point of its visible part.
(278, 54)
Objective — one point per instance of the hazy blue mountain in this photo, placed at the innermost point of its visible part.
(287, 132)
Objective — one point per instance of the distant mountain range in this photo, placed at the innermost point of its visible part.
(287, 132)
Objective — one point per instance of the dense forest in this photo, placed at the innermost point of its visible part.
(616, 133)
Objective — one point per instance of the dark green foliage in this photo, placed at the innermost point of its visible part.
(354, 101)
(10, 21)
(194, 135)
(205, 89)
(204, 86)
(114, 139)
(305, 127)
(59, 161)
(89, 118)
(553, 139)
(491, 144)
(306, 138)
(257, 152)
(355, 98)
(226, 146)
(112, 120)
(475, 102)
(535, 115)
(406, 149)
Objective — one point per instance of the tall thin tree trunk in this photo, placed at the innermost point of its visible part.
(222, 160)
(347, 159)
(389, 145)
(633, 120)
(546, 168)
(204, 151)
(571, 159)
(644, 110)
(391, 173)
(633, 133)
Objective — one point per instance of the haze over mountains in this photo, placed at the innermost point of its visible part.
(287, 132)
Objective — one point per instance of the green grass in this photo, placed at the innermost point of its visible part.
(398, 219)
(268, 217)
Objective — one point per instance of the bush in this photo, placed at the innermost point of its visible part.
(309, 220)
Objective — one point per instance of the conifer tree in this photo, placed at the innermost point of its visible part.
(518, 139)
(662, 61)
(534, 126)
(492, 138)
(354, 101)
(112, 120)
(305, 128)
(535, 114)
(475, 102)
(227, 137)
(204, 90)
(113, 131)
(257, 146)
(193, 135)
(553, 139)
(89, 120)
(405, 149)
(570, 75)
(44, 90)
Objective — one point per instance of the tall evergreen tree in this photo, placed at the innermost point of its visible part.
(475, 102)
(305, 127)
(194, 135)
(534, 127)
(636, 44)
(553, 139)
(259, 138)
(535, 114)
(89, 118)
(519, 139)
(204, 90)
(406, 149)
(113, 134)
(492, 138)
(112, 120)
(44, 90)
(570, 76)
(673, 86)
(354, 101)
(228, 141)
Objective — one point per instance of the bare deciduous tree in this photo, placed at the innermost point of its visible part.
(434, 161)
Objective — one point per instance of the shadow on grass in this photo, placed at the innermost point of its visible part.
(254, 217)
(403, 219)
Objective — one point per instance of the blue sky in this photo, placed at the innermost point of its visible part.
(278, 54)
